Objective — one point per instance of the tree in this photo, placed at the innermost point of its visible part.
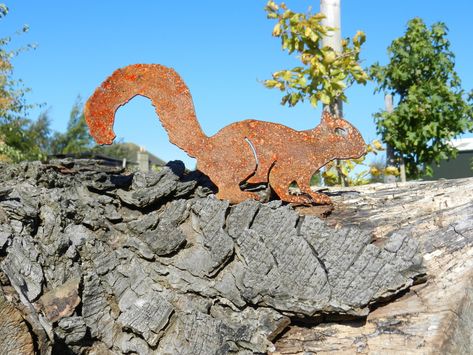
(24, 139)
(11, 97)
(17, 133)
(39, 132)
(324, 73)
(432, 107)
(77, 138)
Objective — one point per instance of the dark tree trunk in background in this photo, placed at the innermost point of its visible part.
(390, 153)
(390, 157)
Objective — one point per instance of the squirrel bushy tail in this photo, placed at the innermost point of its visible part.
(168, 93)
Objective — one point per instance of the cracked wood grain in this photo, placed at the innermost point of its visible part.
(179, 271)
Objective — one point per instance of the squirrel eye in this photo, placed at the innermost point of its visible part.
(342, 132)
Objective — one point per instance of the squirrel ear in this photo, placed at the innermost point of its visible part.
(326, 116)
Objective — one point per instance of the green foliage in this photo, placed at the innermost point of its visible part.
(378, 170)
(12, 102)
(316, 179)
(432, 107)
(8, 153)
(323, 74)
(76, 139)
(40, 133)
(17, 133)
(23, 139)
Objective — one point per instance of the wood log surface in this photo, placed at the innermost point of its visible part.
(433, 317)
(96, 261)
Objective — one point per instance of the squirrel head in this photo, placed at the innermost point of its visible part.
(343, 140)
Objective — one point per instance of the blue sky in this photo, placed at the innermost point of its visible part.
(222, 49)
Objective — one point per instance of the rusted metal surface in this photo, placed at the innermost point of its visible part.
(248, 151)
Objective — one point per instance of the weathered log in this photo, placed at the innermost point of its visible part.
(104, 262)
(434, 317)
(15, 338)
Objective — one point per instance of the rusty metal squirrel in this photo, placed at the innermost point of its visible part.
(250, 150)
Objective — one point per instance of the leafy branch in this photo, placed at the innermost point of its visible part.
(323, 74)
(432, 107)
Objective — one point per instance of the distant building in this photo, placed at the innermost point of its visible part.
(136, 154)
(134, 159)
(459, 167)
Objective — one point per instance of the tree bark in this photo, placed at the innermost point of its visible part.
(98, 261)
(432, 317)
(15, 337)
(390, 156)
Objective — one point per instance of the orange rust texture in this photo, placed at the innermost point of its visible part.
(250, 150)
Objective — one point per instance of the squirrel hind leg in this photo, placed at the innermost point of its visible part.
(260, 176)
(280, 185)
(262, 172)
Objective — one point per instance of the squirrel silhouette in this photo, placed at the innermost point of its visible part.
(248, 151)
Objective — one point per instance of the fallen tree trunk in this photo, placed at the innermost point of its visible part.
(434, 317)
(101, 262)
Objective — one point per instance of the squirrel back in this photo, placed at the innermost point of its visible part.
(168, 93)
